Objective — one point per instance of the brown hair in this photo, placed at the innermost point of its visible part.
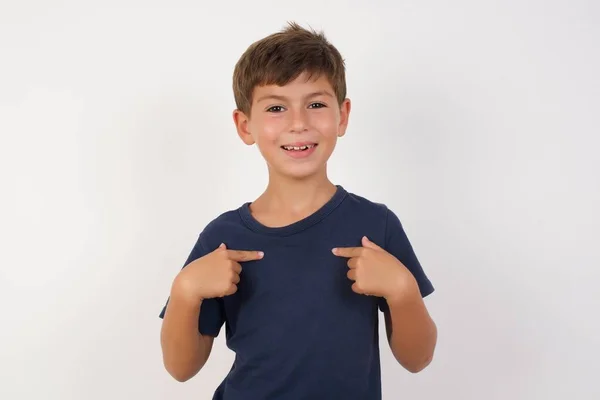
(281, 57)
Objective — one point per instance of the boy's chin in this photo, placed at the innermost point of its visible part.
(300, 172)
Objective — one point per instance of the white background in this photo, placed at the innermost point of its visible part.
(476, 121)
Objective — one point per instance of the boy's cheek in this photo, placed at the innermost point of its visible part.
(269, 132)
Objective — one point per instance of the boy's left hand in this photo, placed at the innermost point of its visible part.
(376, 272)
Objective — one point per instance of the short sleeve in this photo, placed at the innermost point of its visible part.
(212, 311)
(398, 244)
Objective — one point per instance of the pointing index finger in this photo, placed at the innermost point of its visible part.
(244, 255)
(348, 252)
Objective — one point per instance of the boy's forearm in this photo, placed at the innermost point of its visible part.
(185, 350)
(412, 333)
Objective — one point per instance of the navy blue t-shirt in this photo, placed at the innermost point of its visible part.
(296, 327)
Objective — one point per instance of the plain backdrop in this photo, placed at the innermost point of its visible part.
(477, 122)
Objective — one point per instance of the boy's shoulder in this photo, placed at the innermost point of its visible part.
(224, 221)
(377, 212)
(367, 204)
(368, 208)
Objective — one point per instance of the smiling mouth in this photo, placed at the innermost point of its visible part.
(299, 148)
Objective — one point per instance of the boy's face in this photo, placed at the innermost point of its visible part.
(295, 126)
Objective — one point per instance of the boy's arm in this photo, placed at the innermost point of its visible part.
(185, 350)
(411, 332)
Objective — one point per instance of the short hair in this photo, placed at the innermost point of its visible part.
(283, 56)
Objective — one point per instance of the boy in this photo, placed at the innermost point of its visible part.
(299, 275)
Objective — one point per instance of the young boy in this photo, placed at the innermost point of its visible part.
(299, 275)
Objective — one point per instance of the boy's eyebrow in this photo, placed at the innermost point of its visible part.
(284, 98)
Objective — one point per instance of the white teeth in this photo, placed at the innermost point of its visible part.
(298, 148)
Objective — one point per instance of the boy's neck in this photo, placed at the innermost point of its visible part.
(291, 198)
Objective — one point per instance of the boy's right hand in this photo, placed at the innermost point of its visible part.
(214, 275)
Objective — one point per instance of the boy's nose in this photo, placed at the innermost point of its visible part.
(298, 123)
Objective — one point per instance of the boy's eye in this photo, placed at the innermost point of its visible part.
(277, 109)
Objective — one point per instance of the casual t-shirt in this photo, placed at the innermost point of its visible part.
(297, 329)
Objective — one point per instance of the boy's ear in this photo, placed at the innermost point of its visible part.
(241, 120)
(344, 117)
